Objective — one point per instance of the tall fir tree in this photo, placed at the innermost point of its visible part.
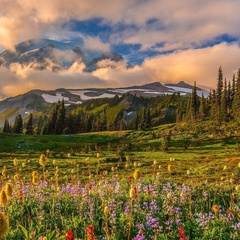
(193, 104)
(60, 120)
(224, 104)
(236, 100)
(18, 124)
(202, 108)
(6, 126)
(29, 126)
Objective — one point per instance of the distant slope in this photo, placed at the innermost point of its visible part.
(38, 100)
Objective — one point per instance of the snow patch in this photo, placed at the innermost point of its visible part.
(54, 98)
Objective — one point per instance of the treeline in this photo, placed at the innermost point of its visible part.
(136, 113)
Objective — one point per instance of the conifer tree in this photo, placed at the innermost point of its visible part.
(236, 100)
(193, 104)
(29, 127)
(18, 124)
(223, 105)
(6, 126)
(60, 120)
(202, 108)
(219, 86)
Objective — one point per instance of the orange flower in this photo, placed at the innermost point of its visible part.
(215, 208)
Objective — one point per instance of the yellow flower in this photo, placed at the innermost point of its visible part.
(44, 238)
(4, 172)
(237, 188)
(4, 225)
(23, 165)
(188, 172)
(15, 162)
(136, 174)
(154, 162)
(16, 177)
(3, 198)
(34, 173)
(35, 180)
(106, 211)
(43, 160)
(215, 208)
(131, 193)
(98, 155)
(69, 155)
(169, 168)
(54, 162)
(127, 158)
(113, 169)
(9, 190)
(134, 164)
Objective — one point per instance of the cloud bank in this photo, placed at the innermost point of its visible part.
(200, 65)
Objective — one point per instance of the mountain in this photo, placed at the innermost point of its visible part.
(39, 100)
(41, 54)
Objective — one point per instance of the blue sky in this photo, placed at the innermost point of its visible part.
(164, 40)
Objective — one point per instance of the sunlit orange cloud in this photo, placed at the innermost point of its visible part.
(183, 21)
(200, 65)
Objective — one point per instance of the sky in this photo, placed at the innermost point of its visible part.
(163, 40)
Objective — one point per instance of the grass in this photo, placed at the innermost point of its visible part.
(88, 173)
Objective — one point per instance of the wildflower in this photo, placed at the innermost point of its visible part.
(42, 160)
(136, 174)
(134, 164)
(3, 198)
(90, 233)
(44, 238)
(127, 158)
(181, 234)
(169, 168)
(129, 179)
(15, 162)
(4, 225)
(113, 169)
(215, 208)
(35, 177)
(188, 172)
(9, 190)
(106, 211)
(98, 155)
(237, 188)
(54, 162)
(154, 162)
(224, 168)
(23, 165)
(69, 155)
(69, 235)
(131, 193)
(21, 191)
(4, 172)
(16, 177)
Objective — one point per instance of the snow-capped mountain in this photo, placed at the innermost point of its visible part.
(36, 100)
(41, 54)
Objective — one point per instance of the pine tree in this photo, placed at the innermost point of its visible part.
(18, 124)
(236, 100)
(202, 109)
(29, 127)
(6, 127)
(193, 104)
(223, 105)
(219, 87)
(213, 105)
(60, 120)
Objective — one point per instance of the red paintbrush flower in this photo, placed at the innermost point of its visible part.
(129, 179)
(90, 233)
(181, 234)
(69, 235)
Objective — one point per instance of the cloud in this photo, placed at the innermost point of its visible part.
(186, 21)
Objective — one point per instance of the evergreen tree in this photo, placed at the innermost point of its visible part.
(219, 86)
(223, 105)
(202, 108)
(148, 120)
(60, 120)
(18, 124)
(29, 127)
(6, 127)
(193, 104)
(236, 100)
(143, 120)
(213, 105)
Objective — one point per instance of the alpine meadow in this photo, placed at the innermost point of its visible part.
(119, 120)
